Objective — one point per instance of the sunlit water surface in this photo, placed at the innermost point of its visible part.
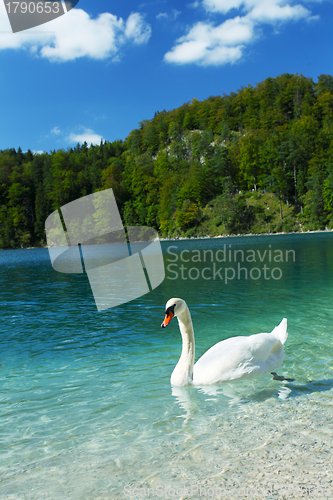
(87, 410)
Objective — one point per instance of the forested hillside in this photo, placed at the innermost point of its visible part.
(260, 159)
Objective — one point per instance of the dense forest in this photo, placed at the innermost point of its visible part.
(259, 159)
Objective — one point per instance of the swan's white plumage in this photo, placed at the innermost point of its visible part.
(236, 358)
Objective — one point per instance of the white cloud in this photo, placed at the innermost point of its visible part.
(234, 31)
(56, 131)
(137, 29)
(173, 16)
(208, 44)
(88, 136)
(269, 11)
(276, 13)
(274, 6)
(221, 5)
(76, 35)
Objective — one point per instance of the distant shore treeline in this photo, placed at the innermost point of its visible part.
(257, 160)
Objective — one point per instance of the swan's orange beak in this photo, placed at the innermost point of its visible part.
(168, 317)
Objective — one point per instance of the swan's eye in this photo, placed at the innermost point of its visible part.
(171, 310)
(169, 314)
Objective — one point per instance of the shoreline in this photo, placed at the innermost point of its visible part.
(243, 235)
(183, 238)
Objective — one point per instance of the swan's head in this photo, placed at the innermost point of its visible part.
(174, 307)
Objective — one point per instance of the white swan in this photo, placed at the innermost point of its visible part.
(232, 359)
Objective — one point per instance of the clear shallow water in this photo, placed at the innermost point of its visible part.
(86, 407)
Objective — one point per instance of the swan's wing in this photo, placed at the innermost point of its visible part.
(239, 357)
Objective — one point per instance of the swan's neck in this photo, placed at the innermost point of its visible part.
(183, 372)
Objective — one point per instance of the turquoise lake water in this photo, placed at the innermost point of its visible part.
(86, 406)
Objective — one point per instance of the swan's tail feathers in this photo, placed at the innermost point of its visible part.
(281, 331)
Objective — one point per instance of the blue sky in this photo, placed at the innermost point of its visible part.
(106, 65)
